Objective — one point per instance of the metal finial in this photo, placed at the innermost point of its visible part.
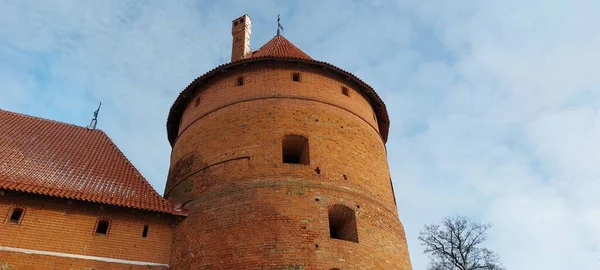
(92, 124)
(279, 27)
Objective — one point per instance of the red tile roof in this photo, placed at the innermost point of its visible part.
(279, 46)
(51, 158)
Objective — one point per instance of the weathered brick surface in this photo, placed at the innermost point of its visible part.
(20, 261)
(248, 210)
(60, 225)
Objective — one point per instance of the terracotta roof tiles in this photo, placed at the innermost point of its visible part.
(279, 46)
(56, 159)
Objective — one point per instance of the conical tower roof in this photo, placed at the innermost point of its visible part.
(279, 47)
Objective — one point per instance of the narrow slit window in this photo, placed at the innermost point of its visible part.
(240, 81)
(342, 223)
(197, 101)
(296, 77)
(102, 227)
(393, 193)
(16, 215)
(295, 150)
(145, 232)
(345, 91)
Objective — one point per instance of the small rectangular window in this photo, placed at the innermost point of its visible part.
(240, 81)
(296, 77)
(197, 102)
(102, 227)
(295, 150)
(345, 91)
(15, 216)
(145, 232)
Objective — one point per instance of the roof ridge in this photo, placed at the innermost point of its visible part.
(47, 120)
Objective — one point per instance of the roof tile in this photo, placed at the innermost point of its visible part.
(279, 46)
(51, 158)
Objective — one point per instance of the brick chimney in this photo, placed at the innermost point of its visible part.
(241, 30)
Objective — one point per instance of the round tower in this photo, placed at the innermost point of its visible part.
(281, 162)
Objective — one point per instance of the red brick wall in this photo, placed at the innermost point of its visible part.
(248, 210)
(60, 225)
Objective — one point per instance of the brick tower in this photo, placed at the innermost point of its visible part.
(281, 162)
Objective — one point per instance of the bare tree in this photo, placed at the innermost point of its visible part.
(454, 244)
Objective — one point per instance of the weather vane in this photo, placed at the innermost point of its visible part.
(92, 124)
(279, 27)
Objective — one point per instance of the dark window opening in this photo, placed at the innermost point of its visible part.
(296, 77)
(393, 193)
(242, 20)
(240, 81)
(16, 215)
(342, 223)
(345, 91)
(197, 102)
(295, 150)
(102, 227)
(145, 232)
(235, 23)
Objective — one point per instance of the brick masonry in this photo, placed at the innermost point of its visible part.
(64, 226)
(247, 209)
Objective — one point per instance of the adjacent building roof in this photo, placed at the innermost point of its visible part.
(277, 49)
(46, 157)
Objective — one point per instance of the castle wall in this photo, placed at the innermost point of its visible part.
(248, 209)
(57, 233)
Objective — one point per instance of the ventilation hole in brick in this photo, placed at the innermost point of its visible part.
(345, 177)
(345, 91)
(358, 206)
(342, 223)
(102, 227)
(316, 120)
(341, 126)
(295, 150)
(240, 81)
(145, 232)
(316, 245)
(16, 215)
(317, 199)
(318, 170)
(197, 102)
(296, 77)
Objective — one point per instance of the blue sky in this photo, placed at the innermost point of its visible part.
(493, 104)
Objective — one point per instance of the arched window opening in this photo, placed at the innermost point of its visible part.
(16, 215)
(240, 81)
(342, 223)
(295, 150)
(197, 102)
(296, 77)
(102, 227)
